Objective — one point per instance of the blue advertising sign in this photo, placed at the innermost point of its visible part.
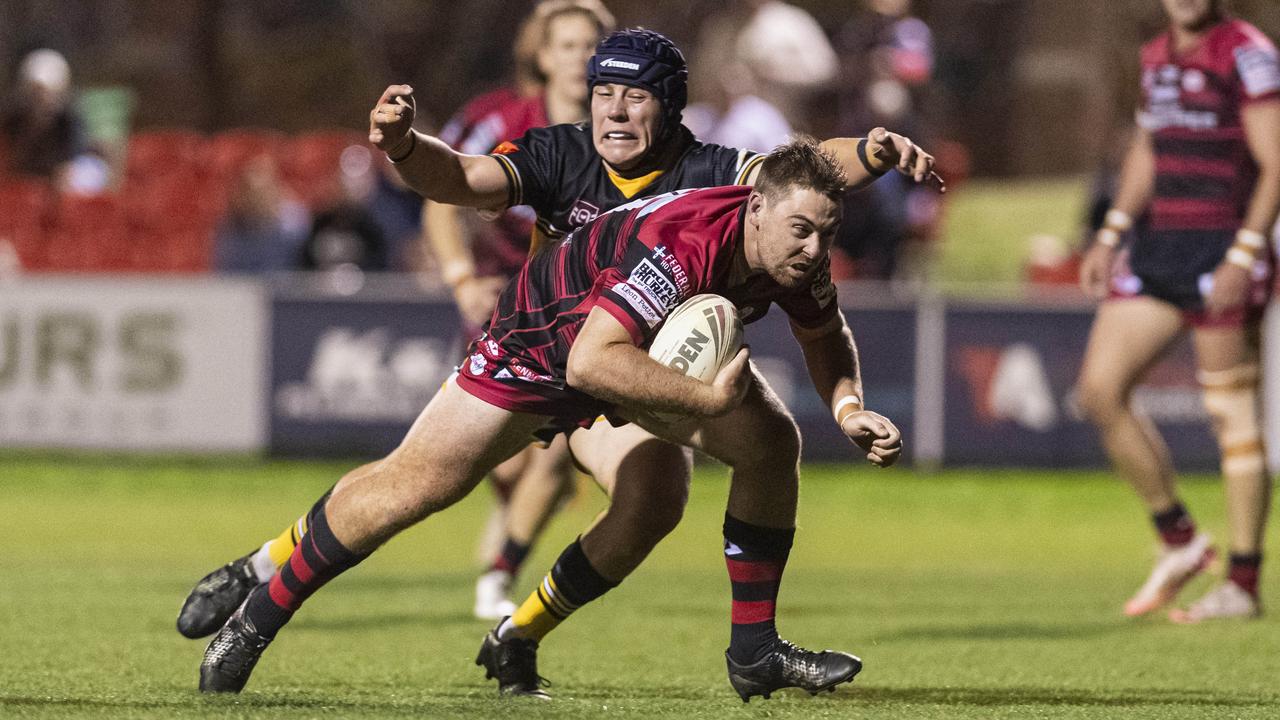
(349, 376)
(1010, 392)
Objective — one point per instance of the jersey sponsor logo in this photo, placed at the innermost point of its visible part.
(673, 268)
(655, 285)
(506, 147)
(616, 63)
(582, 213)
(1259, 70)
(636, 300)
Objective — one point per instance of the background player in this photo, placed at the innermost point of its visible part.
(1205, 167)
(565, 347)
(477, 258)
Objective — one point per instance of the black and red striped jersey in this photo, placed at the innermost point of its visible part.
(638, 263)
(557, 171)
(1192, 106)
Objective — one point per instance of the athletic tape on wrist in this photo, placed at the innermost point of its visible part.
(413, 145)
(1251, 239)
(1108, 237)
(848, 405)
(1118, 220)
(456, 273)
(1240, 257)
(866, 160)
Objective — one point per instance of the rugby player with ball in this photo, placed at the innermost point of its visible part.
(567, 346)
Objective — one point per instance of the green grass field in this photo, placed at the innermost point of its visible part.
(968, 595)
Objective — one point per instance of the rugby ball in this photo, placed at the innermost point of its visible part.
(698, 338)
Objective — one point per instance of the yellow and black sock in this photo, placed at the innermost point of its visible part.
(279, 549)
(571, 584)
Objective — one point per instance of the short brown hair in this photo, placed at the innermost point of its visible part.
(532, 35)
(801, 163)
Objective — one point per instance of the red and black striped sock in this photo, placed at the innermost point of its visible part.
(1175, 525)
(317, 559)
(511, 558)
(1243, 569)
(756, 557)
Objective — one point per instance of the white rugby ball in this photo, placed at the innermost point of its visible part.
(698, 338)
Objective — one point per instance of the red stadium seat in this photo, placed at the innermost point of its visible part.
(88, 234)
(310, 164)
(24, 212)
(163, 152)
(229, 151)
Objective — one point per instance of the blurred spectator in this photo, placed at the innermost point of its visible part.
(264, 227)
(372, 183)
(42, 132)
(887, 61)
(345, 237)
(762, 60)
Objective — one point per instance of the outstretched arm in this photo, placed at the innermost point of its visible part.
(427, 164)
(866, 159)
(832, 359)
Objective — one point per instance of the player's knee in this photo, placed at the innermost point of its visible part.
(1100, 402)
(1231, 400)
(776, 444)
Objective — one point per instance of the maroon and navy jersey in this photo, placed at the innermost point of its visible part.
(557, 171)
(499, 247)
(638, 263)
(1191, 105)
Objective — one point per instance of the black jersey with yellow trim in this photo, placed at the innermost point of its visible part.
(557, 171)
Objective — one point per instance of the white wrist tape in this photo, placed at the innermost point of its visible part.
(1118, 220)
(1108, 237)
(1240, 257)
(456, 272)
(848, 405)
(1251, 238)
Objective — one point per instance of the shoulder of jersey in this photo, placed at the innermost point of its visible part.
(1156, 49)
(1241, 33)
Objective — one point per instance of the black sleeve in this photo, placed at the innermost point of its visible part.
(730, 166)
(534, 164)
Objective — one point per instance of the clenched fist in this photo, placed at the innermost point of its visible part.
(391, 120)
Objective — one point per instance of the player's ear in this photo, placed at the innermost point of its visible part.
(755, 206)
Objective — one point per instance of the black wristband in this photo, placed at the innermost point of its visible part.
(413, 145)
(866, 161)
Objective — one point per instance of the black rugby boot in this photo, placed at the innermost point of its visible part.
(514, 664)
(230, 658)
(215, 597)
(787, 665)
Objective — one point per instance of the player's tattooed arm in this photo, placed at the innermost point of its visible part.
(427, 164)
(832, 359)
(605, 363)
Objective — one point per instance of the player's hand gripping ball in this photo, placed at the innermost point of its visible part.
(698, 339)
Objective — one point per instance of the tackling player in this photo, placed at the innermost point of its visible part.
(566, 347)
(1205, 169)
